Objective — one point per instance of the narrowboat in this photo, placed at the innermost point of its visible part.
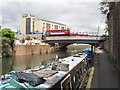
(64, 74)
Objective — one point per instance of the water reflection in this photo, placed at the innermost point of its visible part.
(20, 63)
(23, 62)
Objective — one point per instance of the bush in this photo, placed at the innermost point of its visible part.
(27, 38)
(112, 60)
(6, 34)
(23, 40)
(7, 41)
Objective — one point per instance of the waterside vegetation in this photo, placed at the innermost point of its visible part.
(7, 41)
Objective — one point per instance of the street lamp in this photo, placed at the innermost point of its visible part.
(97, 35)
(98, 30)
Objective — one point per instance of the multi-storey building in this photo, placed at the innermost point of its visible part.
(31, 24)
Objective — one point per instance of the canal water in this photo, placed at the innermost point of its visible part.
(23, 62)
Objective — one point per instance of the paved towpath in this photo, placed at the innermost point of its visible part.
(105, 75)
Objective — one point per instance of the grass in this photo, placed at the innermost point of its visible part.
(88, 77)
(112, 60)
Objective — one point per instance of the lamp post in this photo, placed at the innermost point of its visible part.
(2, 26)
(98, 30)
(97, 35)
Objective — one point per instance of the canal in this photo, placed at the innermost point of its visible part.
(23, 62)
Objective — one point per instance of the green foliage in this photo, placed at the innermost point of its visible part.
(16, 38)
(8, 35)
(27, 38)
(23, 40)
(7, 40)
(112, 60)
(35, 38)
(106, 28)
(104, 7)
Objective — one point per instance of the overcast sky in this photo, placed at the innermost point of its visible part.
(80, 16)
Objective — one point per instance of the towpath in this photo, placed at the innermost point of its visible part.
(105, 75)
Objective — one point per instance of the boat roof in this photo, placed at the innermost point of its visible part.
(72, 61)
(89, 49)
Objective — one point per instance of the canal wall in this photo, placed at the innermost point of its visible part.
(23, 36)
(105, 45)
(114, 31)
(31, 49)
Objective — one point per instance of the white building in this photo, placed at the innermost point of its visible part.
(31, 24)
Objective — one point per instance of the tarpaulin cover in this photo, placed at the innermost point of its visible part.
(30, 78)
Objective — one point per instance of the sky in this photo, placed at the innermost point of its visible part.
(79, 15)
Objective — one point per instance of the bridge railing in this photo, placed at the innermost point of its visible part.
(76, 38)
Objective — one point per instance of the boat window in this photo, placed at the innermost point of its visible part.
(80, 54)
(86, 64)
(80, 71)
(73, 78)
(79, 74)
(66, 85)
(76, 77)
(82, 67)
(76, 56)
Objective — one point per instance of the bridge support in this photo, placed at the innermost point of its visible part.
(60, 46)
(64, 46)
(92, 50)
(92, 47)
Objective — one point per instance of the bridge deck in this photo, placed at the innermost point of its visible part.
(75, 39)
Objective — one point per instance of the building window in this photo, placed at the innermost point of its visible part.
(33, 26)
(55, 27)
(28, 25)
(59, 27)
(47, 26)
(62, 28)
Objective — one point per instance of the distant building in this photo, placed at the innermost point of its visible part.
(18, 32)
(31, 24)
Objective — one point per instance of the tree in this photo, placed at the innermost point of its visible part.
(8, 34)
(7, 40)
(27, 38)
(104, 7)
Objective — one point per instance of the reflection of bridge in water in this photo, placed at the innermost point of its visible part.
(64, 41)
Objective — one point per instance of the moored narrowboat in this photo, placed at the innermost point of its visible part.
(89, 53)
(65, 74)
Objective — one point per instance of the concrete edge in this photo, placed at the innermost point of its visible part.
(88, 86)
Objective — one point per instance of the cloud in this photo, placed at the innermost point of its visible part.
(81, 16)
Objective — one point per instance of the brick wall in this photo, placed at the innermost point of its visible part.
(114, 31)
